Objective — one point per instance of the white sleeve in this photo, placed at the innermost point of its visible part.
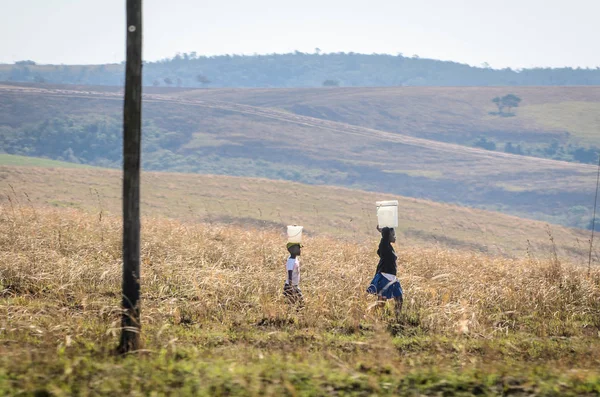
(290, 264)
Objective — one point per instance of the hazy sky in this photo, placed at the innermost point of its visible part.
(515, 33)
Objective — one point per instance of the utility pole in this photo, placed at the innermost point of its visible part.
(130, 322)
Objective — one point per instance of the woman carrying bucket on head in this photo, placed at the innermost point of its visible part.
(385, 284)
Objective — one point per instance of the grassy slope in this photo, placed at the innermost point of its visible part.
(10, 160)
(255, 141)
(450, 114)
(215, 324)
(319, 140)
(266, 203)
(579, 117)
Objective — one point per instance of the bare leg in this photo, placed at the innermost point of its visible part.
(299, 298)
(293, 296)
(399, 301)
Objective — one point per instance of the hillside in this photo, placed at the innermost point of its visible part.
(214, 322)
(551, 122)
(301, 70)
(218, 137)
(267, 204)
(559, 118)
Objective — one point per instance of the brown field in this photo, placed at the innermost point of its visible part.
(269, 204)
(215, 324)
(494, 304)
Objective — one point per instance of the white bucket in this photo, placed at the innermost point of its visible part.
(387, 213)
(294, 234)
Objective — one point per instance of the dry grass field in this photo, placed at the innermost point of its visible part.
(215, 323)
(338, 212)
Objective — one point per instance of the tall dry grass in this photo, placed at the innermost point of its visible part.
(60, 275)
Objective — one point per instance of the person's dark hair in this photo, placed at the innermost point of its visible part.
(294, 249)
(386, 232)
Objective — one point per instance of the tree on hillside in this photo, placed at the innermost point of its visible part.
(331, 83)
(510, 148)
(498, 102)
(511, 101)
(202, 79)
(484, 143)
(508, 101)
(586, 156)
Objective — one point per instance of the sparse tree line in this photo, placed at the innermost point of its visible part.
(97, 141)
(169, 82)
(303, 70)
(554, 150)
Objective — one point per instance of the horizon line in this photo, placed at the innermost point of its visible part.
(193, 55)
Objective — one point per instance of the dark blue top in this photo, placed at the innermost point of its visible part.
(387, 255)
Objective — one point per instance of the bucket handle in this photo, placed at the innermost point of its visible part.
(294, 235)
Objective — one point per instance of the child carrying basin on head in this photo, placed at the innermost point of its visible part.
(291, 291)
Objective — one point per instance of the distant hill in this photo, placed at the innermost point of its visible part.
(218, 137)
(561, 123)
(262, 203)
(301, 70)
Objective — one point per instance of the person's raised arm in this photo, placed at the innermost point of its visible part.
(385, 247)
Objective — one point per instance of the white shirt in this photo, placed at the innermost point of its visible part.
(293, 264)
(390, 277)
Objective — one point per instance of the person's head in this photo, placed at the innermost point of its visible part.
(389, 234)
(294, 249)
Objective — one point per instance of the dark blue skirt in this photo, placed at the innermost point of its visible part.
(385, 288)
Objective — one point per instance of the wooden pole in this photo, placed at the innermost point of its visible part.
(130, 322)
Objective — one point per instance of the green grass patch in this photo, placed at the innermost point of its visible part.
(511, 188)
(190, 372)
(580, 119)
(10, 159)
(202, 140)
(429, 174)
